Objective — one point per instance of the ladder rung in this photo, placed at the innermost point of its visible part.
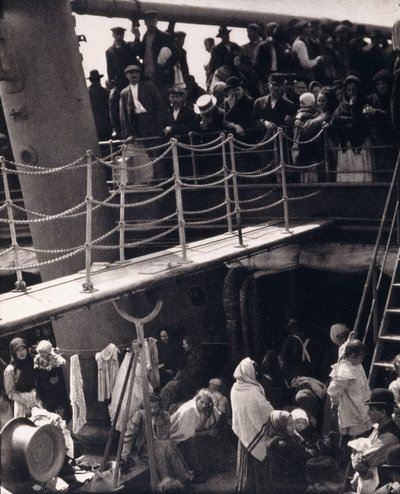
(390, 337)
(393, 311)
(386, 365)
(396, 284)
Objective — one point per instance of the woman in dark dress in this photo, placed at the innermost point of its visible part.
(275, 387)
(20, 379)
(286, 455)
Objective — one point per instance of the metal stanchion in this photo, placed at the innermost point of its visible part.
(88, 285)
(235, 191)
(139, 325)
(178, 198)
(123, 178)
(283, 179)
(20, 284)
(193, 156)
(226, 186)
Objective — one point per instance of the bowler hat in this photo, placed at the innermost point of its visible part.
(223, 30)
(393, 457)
(205, 104)
(233, 82)
(381, 396)
(132, 68)
(118, 30)
(94, 75)
(276, 78)
(180, 34)
(323, 468)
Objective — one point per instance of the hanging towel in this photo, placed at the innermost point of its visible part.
(77, 396)
(107, 370)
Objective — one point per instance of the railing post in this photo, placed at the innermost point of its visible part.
(111, 151)
(283, 180)
(327, 177)
(235, 191)
(193, 156)
(226, 185)
(123, 178)
(88, 285)
(178, 198)
(20, 283)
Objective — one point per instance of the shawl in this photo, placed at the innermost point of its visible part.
(24, 375)
(187, 420)
(250, 409)
(277, 423)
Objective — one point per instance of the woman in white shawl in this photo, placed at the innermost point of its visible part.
(194, 428)
(250, 412)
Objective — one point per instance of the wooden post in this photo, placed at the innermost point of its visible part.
(88, 285)
(283, 178)
(139, 325)
(178, 198)
(20, 283)
(236, 191)
(226, 185)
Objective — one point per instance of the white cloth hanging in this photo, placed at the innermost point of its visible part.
(137, 394)
(107, 370)
(77, 395)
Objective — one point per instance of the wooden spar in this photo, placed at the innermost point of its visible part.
(139, 325)
(201, 12)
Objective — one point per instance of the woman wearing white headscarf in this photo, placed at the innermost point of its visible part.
(250, 412)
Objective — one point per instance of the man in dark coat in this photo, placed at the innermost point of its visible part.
(180, 119)
(141, 106)
(274, 109)
(238, 107)
(99, 96)
(272, 55)
(224, 52)
(159, 53)
(120, 55)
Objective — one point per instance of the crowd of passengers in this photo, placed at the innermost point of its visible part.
(303, 77)
(290, 424)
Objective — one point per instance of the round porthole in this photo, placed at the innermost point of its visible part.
(28, 156)
(197, 295)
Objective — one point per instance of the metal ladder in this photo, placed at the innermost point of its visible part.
(388, 339)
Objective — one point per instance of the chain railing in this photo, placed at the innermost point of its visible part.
(232, 175)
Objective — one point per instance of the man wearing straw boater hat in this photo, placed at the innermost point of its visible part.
(211, 116)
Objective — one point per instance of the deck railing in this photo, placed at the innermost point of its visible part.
(220, 162)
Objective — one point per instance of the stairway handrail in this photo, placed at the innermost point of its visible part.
(376, 248)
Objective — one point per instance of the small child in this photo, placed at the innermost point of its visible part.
(307, 434)
(46, 357)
